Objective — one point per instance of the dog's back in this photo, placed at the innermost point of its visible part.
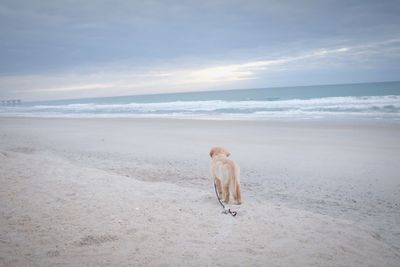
(225, 169)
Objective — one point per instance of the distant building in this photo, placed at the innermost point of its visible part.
(10, 102)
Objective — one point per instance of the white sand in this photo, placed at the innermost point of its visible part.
(93, 192)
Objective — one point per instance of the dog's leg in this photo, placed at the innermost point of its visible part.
(226, 192)
(238, 195)
(219, 187)
(235, 190)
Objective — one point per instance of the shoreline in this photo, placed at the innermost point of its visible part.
(277, 121)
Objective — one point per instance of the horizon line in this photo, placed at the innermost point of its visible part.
(207, 91)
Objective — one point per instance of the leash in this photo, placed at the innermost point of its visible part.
(226, 211)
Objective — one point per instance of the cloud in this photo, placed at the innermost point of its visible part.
(61, 36)
(188, 76)
(77, 87)
(252, 69)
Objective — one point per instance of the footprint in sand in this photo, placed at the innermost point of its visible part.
(24, 150)
(91, 240)
(53, 253)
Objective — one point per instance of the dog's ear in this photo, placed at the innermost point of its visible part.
(212, 151)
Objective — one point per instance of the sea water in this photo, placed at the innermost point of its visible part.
(359, 101)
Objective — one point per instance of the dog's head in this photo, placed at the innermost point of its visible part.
(219, 151)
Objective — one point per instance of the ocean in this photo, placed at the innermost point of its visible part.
(376, 101)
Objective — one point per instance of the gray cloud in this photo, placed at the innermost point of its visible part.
(45, 38)
(323, 63)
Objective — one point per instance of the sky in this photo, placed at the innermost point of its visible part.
(78, 49)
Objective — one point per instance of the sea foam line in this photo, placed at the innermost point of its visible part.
(339, 103)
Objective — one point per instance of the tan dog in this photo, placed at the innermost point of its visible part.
(226, 175)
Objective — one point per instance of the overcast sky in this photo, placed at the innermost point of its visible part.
(71, 49)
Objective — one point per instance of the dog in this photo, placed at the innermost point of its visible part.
(226, 175)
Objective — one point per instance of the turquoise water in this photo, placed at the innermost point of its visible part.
(368, 101)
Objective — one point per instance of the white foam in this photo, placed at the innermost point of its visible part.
(364, 106)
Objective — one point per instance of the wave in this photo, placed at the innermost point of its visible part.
(375, 106)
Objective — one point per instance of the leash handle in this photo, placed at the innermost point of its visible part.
(233, 213)
(226, 211)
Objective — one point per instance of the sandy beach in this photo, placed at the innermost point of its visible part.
(138, 192)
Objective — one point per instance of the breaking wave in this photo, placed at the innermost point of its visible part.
(360, 106)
